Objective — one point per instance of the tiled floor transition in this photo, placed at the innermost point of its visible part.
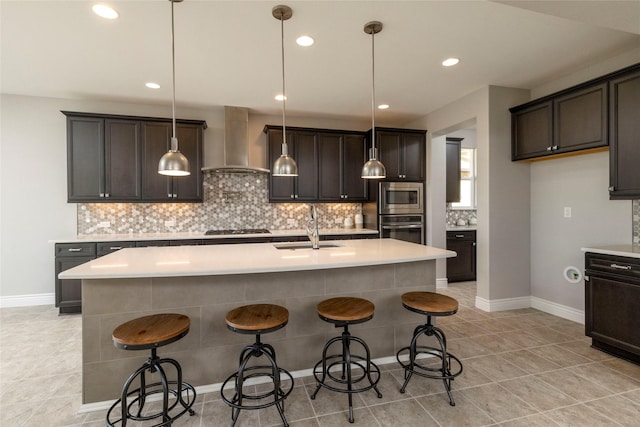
(521, 368)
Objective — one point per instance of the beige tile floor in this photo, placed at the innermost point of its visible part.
(521, 368)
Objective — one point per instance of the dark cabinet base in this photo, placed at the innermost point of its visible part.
(615, 351)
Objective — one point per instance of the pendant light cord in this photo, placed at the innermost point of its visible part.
(174, 140)
(373, 92)
(284, 97)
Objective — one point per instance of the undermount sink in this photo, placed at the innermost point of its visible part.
(294, 246)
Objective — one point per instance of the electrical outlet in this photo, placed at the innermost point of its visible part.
(104, 224)
(338, 220)
(170, 223)
(291, 221)
(567, 212)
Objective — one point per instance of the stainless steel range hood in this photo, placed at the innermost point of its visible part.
(236, 143)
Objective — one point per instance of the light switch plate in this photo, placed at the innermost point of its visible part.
(567, 212)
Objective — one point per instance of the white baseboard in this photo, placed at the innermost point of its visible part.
(442, 283)
(502, 304)
(27, 300)
(559, 310)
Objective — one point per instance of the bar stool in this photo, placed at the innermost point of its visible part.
(257, 319)
(430, 304)
(342, 312)
(149, 333)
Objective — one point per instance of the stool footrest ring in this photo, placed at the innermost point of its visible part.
(233, 401)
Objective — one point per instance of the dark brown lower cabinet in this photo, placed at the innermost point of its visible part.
(612, 304)
(461, 268)
(69, 291)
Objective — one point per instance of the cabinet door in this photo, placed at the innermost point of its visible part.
(413, 153)
(389, 153)
(189, 188)
(580, 119)
(453, 150)
(354, 155)
(85, 159)
(463, 266)
(624, 137)
(122, 160)
(69, 291)
(532, 131)
(306, 155)
(329, 167)
(281, 188)
(156, 139)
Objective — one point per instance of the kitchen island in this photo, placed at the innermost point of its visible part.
(205, 282)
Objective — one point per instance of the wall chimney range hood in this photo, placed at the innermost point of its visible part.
(236, 143)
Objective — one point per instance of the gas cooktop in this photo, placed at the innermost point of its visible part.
(242, 231)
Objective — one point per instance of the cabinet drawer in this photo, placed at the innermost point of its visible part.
(611, 264)
(461, 235)
(105, 248)
(147, 243)
(75, 249)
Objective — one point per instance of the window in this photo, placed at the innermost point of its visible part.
(467, 179)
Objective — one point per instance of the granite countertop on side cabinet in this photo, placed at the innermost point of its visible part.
(462, 227)
(201, 235)
(631, 251)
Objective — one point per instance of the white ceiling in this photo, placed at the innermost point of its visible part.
(228, 52)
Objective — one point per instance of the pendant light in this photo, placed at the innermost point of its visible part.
(173, 163)
(285, 165)
(373, 168)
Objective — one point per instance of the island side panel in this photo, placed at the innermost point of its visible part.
(209, 353)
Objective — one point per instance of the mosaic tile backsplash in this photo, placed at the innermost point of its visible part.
(231, 201)
(453, 215)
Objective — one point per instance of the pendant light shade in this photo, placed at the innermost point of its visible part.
(173, 162)
(285, 165)
(373, 168)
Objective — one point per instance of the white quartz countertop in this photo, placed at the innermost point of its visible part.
(462, 227)
(206, 260)
(201, 235)
(632, 251)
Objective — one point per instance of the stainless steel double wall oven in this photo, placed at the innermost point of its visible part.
(399, 211)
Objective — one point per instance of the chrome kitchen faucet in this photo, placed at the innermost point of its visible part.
(312, 226)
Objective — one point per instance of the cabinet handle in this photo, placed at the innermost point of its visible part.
(115, 248)
(459, 236)
(296, 196)
(555, 147)
(74, 249)
(175, 195)
(474, 243)
(612, 188)
(107, 195)
(621, 267)
(169, 195)
(549, 148)
(101, 194)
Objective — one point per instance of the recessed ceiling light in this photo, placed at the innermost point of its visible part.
(280, 97)
(383, 106)
(305, 40)
(152, 85)
(105, 11)
(450, 62)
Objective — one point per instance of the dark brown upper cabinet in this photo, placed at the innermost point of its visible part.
(624, 136)
(103, 158)
(341, 157)
(453, 173)
(402, 152)
(571, 121)
(156, 137)
(113, 158)
(303, 147)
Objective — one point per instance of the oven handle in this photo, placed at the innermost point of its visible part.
(400, 227)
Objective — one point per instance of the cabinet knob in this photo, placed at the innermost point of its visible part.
(107, 195)
(292, 196)
(169, 195)
(175, 195)
(549, 148)
(555, 147)
(612, 188)
(101, 194)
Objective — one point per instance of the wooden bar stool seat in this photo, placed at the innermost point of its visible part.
(342, 312)
(429, 304)
(149, 333)
(257, 319)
